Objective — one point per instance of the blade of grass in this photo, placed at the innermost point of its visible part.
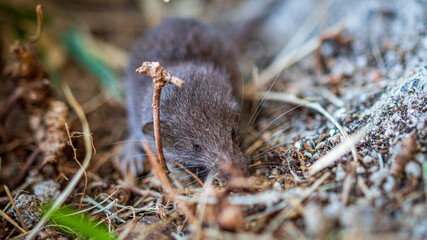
(89, 150)
(80, 224)
(80, 51)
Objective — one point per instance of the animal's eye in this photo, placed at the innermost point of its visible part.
(197, 147)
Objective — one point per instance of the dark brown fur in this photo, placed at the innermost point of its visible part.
(199, 122)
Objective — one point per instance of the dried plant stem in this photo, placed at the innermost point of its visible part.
(5, 216)
(275, 223)
(189, 172)
(89, 150)
(39, 11)
(156, 120)
(11, 100)
(163, 178)
(30, 160)
(338, 151)
(142, 192)
(347, 184)
(160, 78)
(14, 206)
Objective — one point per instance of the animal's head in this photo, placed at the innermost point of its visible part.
(200, 122)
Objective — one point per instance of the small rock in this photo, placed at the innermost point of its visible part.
(367, 159)
(332, 211)
(340, 174)
(297, 145)
(277, 186)
(316, 222)
(378, 177)
(231, 218)
(29, 206)
(389, 183)
(413, 169)
(47, 190)
(358, 217)
(360, 170)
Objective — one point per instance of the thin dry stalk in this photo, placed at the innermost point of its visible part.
(189, 172)
(39, 11)
(88, 148)
(296, 204)
(14, 206)
(161, 175)
(95, 206)
(138, 190)
(5, 216)
(30, 160)
(347, 184)
(78, 163)
(364, 188)
(160, 78)
(338, 151)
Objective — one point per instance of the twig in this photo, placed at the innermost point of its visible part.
(364, 188)
(315, 185)
(30, 160)
(347, 184)
(160, 78)
(10, 101)
(14, 206)
(189, 172)
(338, 151)
(88, 148)
(137, 190)
(161, 175)
(39, 11)
(78, 163)
(96, 205)
(5, 216)
(296, 203)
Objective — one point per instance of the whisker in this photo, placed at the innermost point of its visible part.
(259, 107)
(188, 176)
(195, 181)
(269, 149)
(281, 115)
(252, 139)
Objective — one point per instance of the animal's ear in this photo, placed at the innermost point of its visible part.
(148, 128)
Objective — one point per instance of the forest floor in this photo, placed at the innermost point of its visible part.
(338, 148)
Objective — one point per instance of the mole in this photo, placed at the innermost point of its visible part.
(200, 121)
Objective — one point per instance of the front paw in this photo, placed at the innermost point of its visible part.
(130, 158)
